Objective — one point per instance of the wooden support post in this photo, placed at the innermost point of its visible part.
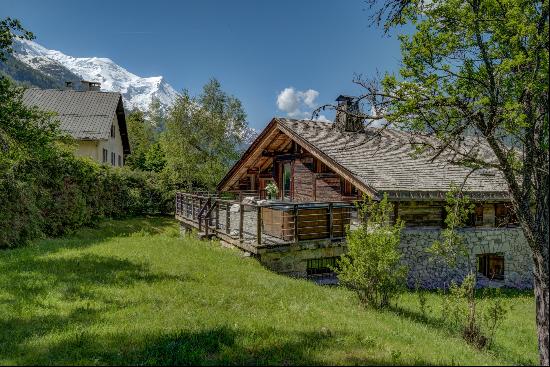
(330, 221)
(259, 225)
(207, 217)
(241, 221)
(227, 218)
(192, 200)
(295, 215)
(217, 217)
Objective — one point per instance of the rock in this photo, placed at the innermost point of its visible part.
(249, 200)
(235, 208)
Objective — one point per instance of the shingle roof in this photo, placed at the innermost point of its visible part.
(86, 115)
(381, 160)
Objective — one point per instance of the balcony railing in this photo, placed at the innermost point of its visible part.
(265, 223)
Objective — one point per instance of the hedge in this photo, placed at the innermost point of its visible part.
(62, 193)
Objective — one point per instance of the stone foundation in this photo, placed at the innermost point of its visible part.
(431, 274)
(424, 270)
(292, 259)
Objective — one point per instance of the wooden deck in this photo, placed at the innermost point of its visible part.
(253, 227)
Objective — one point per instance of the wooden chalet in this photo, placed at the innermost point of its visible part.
(320, 169)
(314, 161)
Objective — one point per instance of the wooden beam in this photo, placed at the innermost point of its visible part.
(329, 162)
(258, 144)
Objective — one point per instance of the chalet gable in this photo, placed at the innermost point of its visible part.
(375, 161)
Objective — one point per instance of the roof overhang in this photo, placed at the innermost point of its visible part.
(258, 143)
(263, 139)
(331, 163)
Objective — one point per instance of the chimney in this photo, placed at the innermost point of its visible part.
(90, 86)
(345, 121)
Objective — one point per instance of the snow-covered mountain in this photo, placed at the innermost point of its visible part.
(136, 91)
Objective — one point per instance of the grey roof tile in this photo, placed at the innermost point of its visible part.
(382, 160)
(84, 115)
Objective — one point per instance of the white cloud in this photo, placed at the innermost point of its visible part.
(296, 103)
(309, 97)
(323, 118)
(378, 122)
(287, 101)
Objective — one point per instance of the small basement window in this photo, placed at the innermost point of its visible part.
(321, 266)
(491, 265)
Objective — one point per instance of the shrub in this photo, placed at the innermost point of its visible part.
(372, 264)
(462, 304)
(54, 196)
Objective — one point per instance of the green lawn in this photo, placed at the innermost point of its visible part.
(133, 292)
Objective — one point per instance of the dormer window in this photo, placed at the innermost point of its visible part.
(112, 131)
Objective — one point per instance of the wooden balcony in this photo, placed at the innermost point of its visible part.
(252, 226)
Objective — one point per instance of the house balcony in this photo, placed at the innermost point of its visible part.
(271, 224)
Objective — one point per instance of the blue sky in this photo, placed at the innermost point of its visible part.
(257, 49)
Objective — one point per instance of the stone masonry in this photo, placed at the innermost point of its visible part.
(431, 273)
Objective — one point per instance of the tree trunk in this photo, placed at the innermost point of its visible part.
(542, 305)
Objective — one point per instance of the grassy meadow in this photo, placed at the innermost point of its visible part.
(134, 292)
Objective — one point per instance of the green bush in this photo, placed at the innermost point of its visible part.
(372, 265)
(45, 190)
(53, 196)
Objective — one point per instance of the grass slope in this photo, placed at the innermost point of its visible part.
(133, 292)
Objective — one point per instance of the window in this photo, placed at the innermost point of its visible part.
(112, 131)
(491, 265)
(321, 266)
(322, 168)
(113, 156)
(105, 155)
(347, 188)
(504, 215)
(287, 175)
(476, 217)
(308, 163)
(119, 161)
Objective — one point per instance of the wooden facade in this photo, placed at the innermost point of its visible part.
(303, 175)
(299, 176)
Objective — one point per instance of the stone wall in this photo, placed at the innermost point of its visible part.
(292, 259)
(423, 268)
(435, 274)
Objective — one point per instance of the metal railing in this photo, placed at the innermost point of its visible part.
(267, 223)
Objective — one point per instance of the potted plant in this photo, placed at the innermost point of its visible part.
(271, 190)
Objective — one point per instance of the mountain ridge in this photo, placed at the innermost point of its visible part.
(137, 92)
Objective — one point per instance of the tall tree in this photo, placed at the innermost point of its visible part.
(475, 75)
(156, 116)
(203, 135)
(141, 135)
(10, 29)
